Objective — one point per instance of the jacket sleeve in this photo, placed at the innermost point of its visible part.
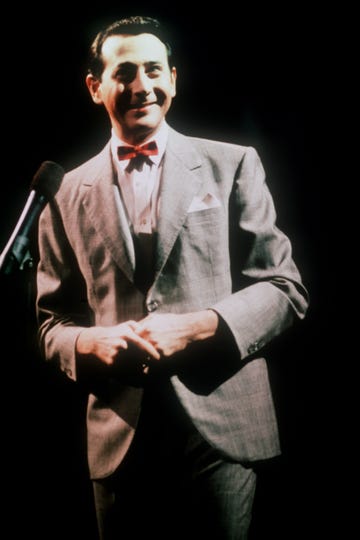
(268, 295)
(61, 306)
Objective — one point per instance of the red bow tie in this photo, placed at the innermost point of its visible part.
(129, 152)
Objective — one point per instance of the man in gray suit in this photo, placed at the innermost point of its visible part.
(162, 276)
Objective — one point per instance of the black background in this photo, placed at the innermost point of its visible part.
(245, 75)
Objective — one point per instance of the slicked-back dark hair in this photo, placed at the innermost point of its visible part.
(131, 26)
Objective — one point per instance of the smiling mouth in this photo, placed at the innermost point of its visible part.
(139, 106)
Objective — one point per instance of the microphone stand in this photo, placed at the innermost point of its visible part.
(16, 254)
(18, 289)
(16, 257)
(17, 261)
(45, 184)
(17, 276)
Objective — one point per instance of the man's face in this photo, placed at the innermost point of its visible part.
(137, 85)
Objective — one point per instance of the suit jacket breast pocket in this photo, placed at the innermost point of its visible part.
(205, 241)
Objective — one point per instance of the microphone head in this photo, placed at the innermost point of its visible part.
(47, 179)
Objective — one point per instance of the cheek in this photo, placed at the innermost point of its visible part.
(166, 91)
(111, 98)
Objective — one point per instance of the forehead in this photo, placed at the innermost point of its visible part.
(135, 49)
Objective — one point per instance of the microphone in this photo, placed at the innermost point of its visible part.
(44, 186)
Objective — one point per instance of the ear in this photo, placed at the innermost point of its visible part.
(94, 86)
(173, 76)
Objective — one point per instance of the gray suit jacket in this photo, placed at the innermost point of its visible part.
(218, 247)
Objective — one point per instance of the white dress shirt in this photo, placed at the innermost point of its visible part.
(140, 189)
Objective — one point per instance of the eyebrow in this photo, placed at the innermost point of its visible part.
(148, 63)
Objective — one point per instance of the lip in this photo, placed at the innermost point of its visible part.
(141, 106)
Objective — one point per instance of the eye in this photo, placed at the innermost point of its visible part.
(154, 70)
(125, 73)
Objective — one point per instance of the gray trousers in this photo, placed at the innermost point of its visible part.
(172, 485)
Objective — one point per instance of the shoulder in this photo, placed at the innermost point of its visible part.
(214, 145)
(77, 182)
(224, 157)
(78, 179)
(213, 150)
(89, 169)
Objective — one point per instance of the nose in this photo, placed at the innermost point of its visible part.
(142, 83)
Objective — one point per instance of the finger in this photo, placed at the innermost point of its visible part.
(148, 347)
(109, 355)
(144, 345)
(142, 328)
(122, 344)
(143, 323)
(135, 326)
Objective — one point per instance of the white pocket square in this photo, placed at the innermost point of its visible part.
(204, 203)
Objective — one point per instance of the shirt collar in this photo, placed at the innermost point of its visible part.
(160, 138)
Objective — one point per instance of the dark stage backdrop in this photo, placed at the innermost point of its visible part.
(248, 76)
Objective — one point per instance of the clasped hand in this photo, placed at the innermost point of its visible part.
(158, 336)
(168, 333)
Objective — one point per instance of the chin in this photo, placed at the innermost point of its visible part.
(153, 116)
(145, 124)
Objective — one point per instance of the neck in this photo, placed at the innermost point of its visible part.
(135, 137)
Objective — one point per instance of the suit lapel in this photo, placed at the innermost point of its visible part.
(106, 211)
(181, 181)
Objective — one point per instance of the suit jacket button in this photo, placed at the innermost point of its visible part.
(152, 306)
(253, 348)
